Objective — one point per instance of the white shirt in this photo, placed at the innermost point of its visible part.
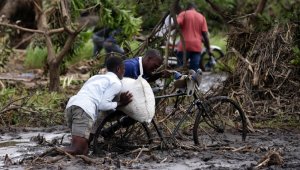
(97, 94)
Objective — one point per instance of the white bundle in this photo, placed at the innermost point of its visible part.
(142, 107)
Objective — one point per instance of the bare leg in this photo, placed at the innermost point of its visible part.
(79, 146)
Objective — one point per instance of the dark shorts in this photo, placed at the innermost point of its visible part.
(79, 121)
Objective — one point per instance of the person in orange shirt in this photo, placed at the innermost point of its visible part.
(194, 29)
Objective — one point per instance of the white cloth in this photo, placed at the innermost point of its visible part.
(97, 94)
(164, 29)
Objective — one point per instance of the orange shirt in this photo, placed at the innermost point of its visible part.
(192, 24)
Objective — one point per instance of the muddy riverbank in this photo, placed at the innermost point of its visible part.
(24, 149)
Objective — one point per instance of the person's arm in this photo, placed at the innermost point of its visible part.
(206, 42)
(154, 77)
(180, 18)
(204, 32)
(162, 74)
(108, 96)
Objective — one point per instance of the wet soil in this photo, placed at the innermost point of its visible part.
(25, 149)
(31, 148)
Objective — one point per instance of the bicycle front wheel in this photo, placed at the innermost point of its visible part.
(120, 133)
(222, 122)
(205, 58)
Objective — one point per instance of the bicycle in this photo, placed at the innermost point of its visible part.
(127, 134)
(209, 125)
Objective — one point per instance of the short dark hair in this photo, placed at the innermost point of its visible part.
(113, 62)
(190, 5)
(153, 53)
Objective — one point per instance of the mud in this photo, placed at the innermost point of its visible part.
(24, 148)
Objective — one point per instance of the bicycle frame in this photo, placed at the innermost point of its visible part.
(196, 102)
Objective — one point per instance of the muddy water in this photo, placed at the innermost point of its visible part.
(210, 80)
(18, 144)
(257, 145)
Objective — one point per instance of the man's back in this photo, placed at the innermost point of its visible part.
(192, 25)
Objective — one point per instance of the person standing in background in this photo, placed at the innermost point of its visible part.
(194, 29)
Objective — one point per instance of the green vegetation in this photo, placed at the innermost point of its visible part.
(84, 53)
(279, 121)
(35, 57)
(40, 108)
(296, 60)
(219, 39)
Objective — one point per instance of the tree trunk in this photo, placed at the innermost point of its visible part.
(173, 15)
(260, 7)
(259, 10)
(54, 74)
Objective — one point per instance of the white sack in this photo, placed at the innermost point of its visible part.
(142, 107)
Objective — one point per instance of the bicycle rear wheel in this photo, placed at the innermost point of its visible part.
(114, 135)
(220, 123)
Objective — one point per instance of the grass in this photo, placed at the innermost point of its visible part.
(35, 57)
(280, 121)
(85, 53)
(41, 108)
(219, 39)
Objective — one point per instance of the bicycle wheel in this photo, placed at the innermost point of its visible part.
(115, 135)
(217, 53)
(221, 122)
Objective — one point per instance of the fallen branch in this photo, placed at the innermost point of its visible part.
(64, 152)
(137, 157)
(162, 161)
(87, 159)
(53, 31)
(271, 158)
(4, 109)
(241, 148)
(55, 159)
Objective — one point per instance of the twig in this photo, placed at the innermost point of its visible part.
(58, 30)
(11, 102)
(163, 160)
(62, 138)
(55, 159)
(38, 7)
(64, 152)
(139, 154)
(262, 164)
(87, 159)
(24, 40)
(287, 75)
(239, 55)
(240, 148)
(139, 149)
(10, 108)
(241, 17)
(46, 152)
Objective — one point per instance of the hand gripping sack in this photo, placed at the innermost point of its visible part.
(142, 107)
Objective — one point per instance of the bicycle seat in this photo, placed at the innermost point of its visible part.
(188, 83)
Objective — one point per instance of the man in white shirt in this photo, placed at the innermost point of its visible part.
(96, 95)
